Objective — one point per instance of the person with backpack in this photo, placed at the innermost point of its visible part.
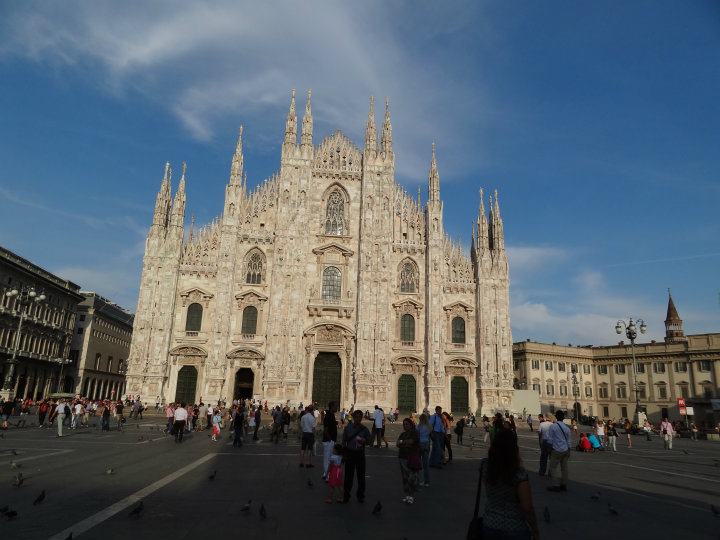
(509, 512)
(559, 437)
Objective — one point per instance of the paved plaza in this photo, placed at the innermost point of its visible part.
(657, 494)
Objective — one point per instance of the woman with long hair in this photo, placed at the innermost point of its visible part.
(448, 424)
(424, 429)
(509, 513)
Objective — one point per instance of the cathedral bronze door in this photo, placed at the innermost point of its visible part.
(244, 379)
(186, 385)
(459, 403)
(406, 394)
(327, 375)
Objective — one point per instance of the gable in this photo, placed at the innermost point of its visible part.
(336, 155)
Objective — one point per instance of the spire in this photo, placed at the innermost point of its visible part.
(178, 207)
(307, 125)
(673, 323)
(370, 131)
(192, 226)
(482, 225)
(162, 201)
(236, 169)
(433, 178)
(291, 123)
(497, 236)
(386, 143)
(419, 200)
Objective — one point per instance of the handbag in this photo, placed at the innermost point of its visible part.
(475, 529)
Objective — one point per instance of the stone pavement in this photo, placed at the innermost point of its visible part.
(657, 494)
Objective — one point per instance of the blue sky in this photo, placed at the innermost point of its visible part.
(598, 122)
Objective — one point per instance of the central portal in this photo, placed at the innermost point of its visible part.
(327, 375)
(244, 379)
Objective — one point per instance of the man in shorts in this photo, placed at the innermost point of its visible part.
(307, 426)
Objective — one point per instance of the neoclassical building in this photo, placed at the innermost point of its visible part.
(325, 282)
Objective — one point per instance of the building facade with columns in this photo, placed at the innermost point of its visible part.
(100, 347)
(43, 338)
(325, 282)
(600, 380)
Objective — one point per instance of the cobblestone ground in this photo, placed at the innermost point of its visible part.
(656, 493)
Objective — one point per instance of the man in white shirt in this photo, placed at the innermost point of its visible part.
(307, 426)
(378, 417)
(545, 447)
(559, 437)
(76, 415)
(180, 418)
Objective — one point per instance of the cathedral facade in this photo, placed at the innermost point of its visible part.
(325, 282)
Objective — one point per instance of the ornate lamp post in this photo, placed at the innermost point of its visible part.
(630, 329)
(24, 298)
(63, 362)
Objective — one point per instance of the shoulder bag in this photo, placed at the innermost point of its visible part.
(475, 529)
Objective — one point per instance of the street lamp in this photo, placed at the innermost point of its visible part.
(24, 298)
(63, 362)
(630, 329)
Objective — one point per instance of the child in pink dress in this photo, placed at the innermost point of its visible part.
(335, 475)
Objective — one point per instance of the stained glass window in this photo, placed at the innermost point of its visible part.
(408, 278)
(335, 215)
(254, 269)
(331, 286)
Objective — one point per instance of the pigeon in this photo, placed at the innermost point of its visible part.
(310, 483)
(109, 470)
(595, 496)
(69, 536)
(263, 513)
(10, 514)
(212, 476)
(546, 514)
(612, 510)
(715, 510)
(18, 480)
(14, 452)
(246, 507)
(377, 509)
(14, 465)
(40, 498)
(686, 452)
(137, 510)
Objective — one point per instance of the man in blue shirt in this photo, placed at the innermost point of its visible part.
(559, 438)
(438, 438)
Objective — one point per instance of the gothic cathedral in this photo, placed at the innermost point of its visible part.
(325, 282)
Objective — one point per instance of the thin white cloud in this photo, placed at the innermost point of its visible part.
(213, 63)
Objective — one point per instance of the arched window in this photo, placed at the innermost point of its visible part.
(193, 322)
(407, 328)
(331, 286)
(254, 267)
(458, 330)
(409, 278)
(335, 214)
(249, 320)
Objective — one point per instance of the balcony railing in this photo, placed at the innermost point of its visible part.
(191, 334)
(248, 337)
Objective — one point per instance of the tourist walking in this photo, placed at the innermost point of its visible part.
(170, 418)
(424, 429)
(119, 407)
(378, 418)
(667, 431)
(355, 437)
(42, 413)
(258, 418)
(600, 432)
(486, 428)
(647, 428)
(509, 513)
(628, 431)
(179, 418)
(438, 438)
(459, 429)
(6, 410)
(408, 445)
(448, 423)
(544, 442)
(238, 425)
(215, 421)
(559, 437)
(612, 436)
(60, 417)
(307, 428)
(329, 438)
(530, 422)
(105, 418)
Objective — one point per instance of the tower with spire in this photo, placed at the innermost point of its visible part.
(674, 332)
